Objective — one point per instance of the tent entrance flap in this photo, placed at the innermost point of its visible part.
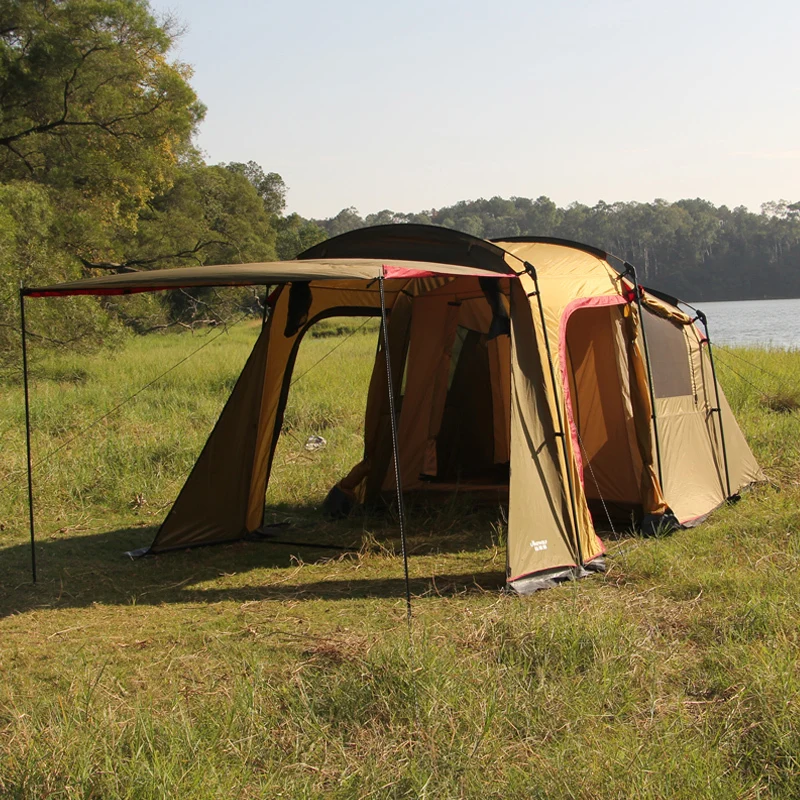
(601, 412)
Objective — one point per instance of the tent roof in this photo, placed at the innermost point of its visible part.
(409, 241)
(332, 269)
(588, 248)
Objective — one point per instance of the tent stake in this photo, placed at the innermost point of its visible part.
(27, 429)
(631, 270)
(561, 434)
(401, 512)
(702, 317)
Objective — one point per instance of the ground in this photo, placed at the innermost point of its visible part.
(265, 670)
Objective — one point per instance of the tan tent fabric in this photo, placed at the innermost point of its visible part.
(571, 434)
(692, 456)
(364, 481)
(653, 498)
(500, 370)
(691, 449)
(540, 529)
(212, 504)
(610, 473)
(433, 319)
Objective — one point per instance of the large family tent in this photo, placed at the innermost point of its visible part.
(532, 367)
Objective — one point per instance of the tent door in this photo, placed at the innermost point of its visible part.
(600, 413)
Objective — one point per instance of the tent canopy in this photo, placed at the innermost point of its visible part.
(333, 269)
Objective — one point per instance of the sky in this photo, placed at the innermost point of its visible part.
(416, 105)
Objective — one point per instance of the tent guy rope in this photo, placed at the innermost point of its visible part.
(81, 431)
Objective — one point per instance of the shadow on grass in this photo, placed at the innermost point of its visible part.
(79, 570)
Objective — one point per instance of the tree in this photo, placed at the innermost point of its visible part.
(30, 253)
(94, 121)
(296, 234)
(270, 186)
(211, 215)
(90, 105)
(690, 248)
(348, 219)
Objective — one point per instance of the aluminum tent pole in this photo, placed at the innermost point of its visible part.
(560, 433)
(401, 512)
(27, 429)
(631, 270)
(702, 317)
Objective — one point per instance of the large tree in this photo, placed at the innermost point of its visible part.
(211, 215)
(91, 106)
(95, 119)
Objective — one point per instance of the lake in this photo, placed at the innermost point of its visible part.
(754, 323)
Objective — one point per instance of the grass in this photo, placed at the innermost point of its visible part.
(252, 671)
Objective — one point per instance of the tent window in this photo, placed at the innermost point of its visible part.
(669, 357)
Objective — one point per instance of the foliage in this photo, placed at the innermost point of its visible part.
(91, 106)
(270, 186)
(94, 119)
(97, 172)
(30, 255)
(211, 215)
(296, 234)
(293, 234)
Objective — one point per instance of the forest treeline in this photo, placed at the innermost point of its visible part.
(98, 174)
(690, 248)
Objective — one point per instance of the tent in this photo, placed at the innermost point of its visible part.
(533, 366)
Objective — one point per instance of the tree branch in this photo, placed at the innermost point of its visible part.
(132, 264)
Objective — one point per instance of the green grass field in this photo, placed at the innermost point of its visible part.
(261, 670)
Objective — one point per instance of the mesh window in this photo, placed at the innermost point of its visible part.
(669, 357)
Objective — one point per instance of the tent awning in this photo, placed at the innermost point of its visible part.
(334, 269)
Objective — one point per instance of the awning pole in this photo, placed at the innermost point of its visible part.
(630, 269)
(560, 433)
(27, 429)
(401, 513)
(702, 317)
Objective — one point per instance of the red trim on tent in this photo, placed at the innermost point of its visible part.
(390, 272)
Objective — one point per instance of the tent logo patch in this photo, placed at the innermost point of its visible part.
(539, 544)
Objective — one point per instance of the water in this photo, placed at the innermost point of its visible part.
(754, 323)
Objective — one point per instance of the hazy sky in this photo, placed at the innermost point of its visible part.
(416, 105)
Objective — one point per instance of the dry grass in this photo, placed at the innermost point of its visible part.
(783, 401)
